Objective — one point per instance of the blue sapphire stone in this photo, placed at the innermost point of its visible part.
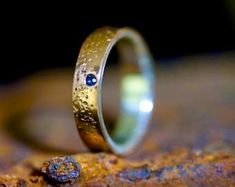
(91, 80)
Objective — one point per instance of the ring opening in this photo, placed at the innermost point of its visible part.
(124, 92)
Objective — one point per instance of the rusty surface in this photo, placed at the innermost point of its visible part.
(61, 170)
(191, 141)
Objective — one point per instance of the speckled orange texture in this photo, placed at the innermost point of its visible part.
(191, 140)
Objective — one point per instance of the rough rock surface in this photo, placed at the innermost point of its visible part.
(191, 141)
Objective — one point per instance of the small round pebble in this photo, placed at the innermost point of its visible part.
(61, 169)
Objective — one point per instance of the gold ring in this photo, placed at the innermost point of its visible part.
(137, 90)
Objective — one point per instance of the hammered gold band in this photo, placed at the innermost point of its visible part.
(137, 90)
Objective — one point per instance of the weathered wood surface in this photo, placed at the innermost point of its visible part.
(191, 141)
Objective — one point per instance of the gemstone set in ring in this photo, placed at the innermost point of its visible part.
(91, 80)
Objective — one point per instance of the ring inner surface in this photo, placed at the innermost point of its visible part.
(126, 88)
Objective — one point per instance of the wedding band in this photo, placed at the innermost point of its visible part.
(137, 90)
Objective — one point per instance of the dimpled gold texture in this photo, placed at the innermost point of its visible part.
(87, 85)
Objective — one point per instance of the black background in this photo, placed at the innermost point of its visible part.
(41, 36)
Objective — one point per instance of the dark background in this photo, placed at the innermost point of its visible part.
(42, 37)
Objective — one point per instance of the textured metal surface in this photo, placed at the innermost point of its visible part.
(191, 141)
(89, 59)
(85, 98)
